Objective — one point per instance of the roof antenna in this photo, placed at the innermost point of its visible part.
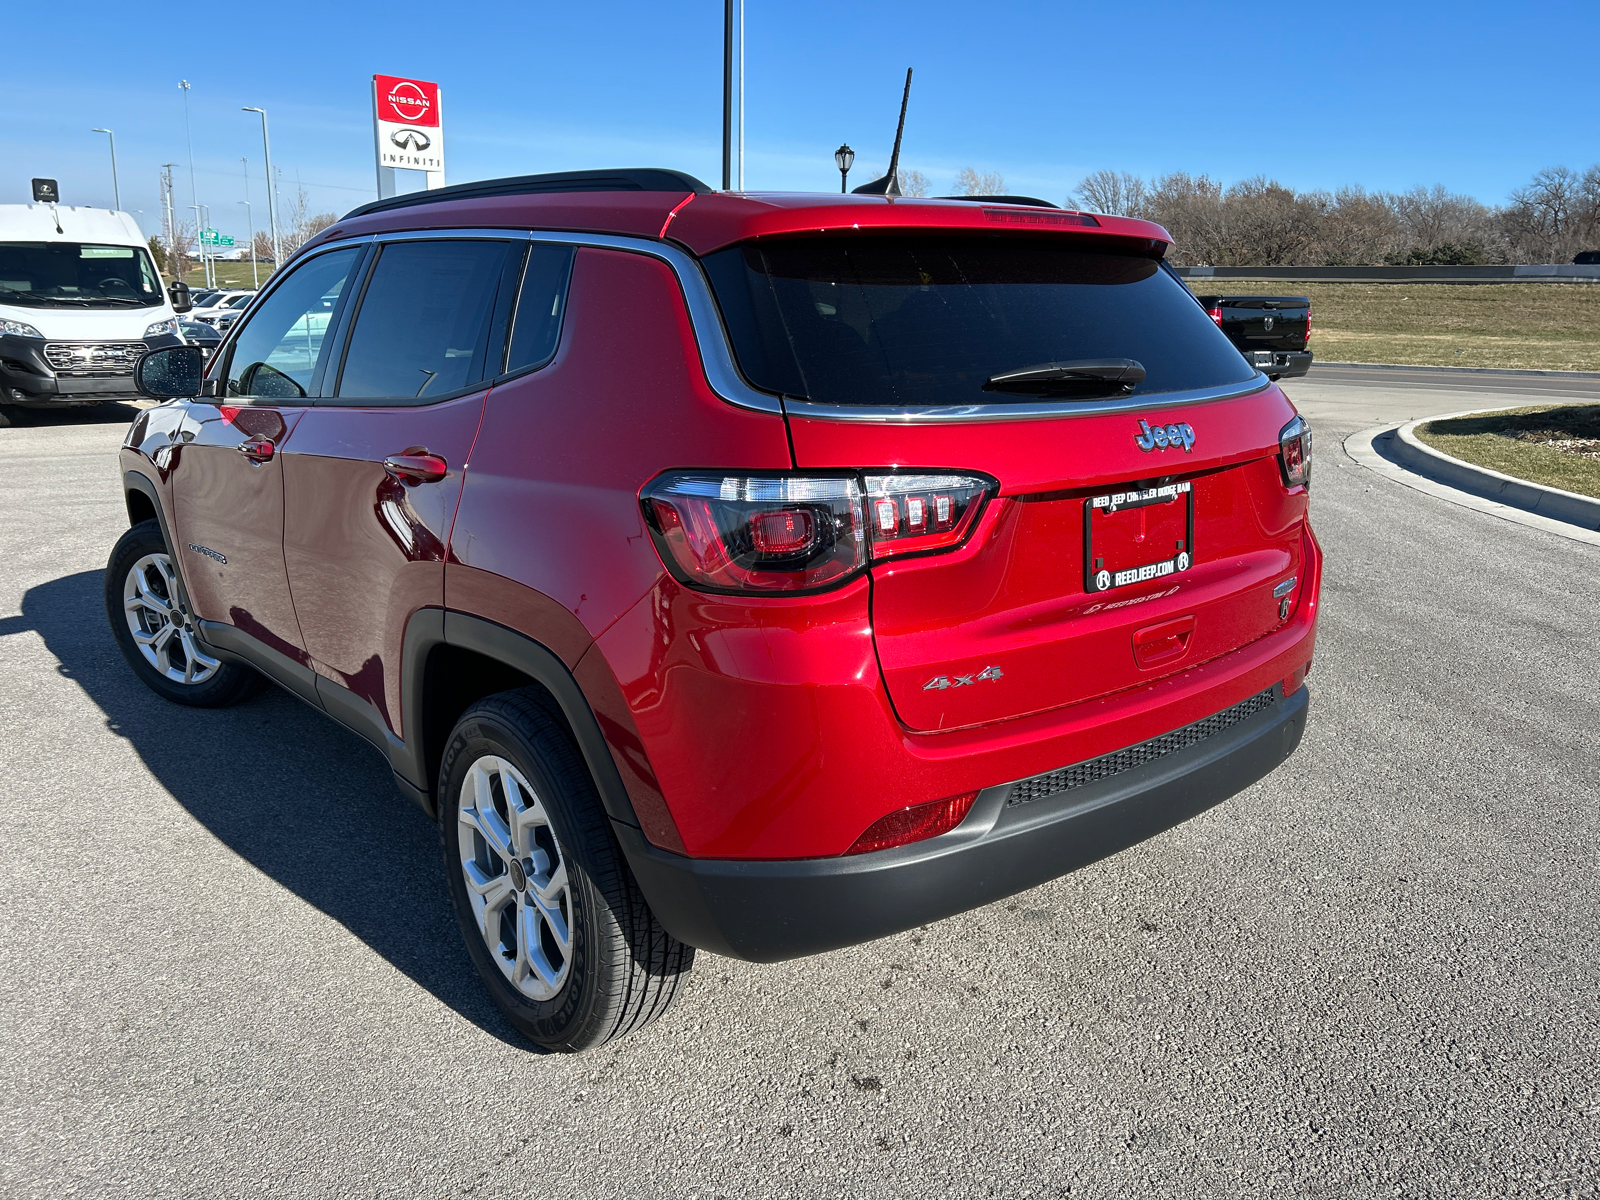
(889, 185)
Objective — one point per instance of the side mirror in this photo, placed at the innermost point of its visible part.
(170, 372)
(179, 291)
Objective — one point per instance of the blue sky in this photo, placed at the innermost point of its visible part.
(1385, 95)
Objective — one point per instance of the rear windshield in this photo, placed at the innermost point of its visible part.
(925, 321)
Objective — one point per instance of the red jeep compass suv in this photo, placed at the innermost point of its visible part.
(758, 573)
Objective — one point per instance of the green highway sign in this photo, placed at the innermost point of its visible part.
(210, 237)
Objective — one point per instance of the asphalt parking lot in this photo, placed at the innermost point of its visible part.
(228, 967)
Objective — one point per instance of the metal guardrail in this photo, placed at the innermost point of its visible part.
(1523, 273)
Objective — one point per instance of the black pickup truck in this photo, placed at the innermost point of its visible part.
(1270, 331)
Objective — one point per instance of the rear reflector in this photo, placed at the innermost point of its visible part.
(914, 824)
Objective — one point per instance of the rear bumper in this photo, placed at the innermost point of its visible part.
(1280, 364)
(765, 911)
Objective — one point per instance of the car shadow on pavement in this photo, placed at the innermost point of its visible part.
(109, 413)
(297, 796)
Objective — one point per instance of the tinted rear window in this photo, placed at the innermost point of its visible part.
(917, 321)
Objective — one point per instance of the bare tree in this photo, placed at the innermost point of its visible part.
(178, 254)
(1554, 215)
(913, 183)
(298, 225)
(973, 183)
(1190, 207)
(1117, 193)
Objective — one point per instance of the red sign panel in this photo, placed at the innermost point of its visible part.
(406, 101)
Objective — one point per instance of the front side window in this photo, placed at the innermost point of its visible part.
(277, 353)
(926, 321)
(77, 275)
(422, 331)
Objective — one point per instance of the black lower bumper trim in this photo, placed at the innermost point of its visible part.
(768, 910)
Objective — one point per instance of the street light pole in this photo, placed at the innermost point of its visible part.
(172, 220)
(844, 158)
(194, 194)
(116, 191)
(741, 95)
(727, 95)
(272, 205)
(250, 223)
(199, 237)
(255, 269)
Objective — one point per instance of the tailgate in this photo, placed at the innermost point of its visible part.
(1101, 564)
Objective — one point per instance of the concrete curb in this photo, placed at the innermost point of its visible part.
(1411, 452)
(1509, 372)
(1374, 449)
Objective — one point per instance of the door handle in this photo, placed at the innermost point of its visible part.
(417, 465)
(258, 450)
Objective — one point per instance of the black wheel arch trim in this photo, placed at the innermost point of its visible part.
(136, 481)
(521, 652)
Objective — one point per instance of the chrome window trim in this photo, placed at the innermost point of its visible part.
(722, 373)
(1026, 411)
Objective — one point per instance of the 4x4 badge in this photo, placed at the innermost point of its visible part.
(1159, 437)
(939, 682)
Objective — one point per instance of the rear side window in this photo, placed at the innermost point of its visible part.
(925, 321)
(536, 327)
(422, 331)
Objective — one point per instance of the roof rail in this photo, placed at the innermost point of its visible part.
(624, 179)
(1032, 201)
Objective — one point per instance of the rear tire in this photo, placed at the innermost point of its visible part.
(552, 916)
(155, 631)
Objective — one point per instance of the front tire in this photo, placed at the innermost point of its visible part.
(552, 916)
(155, 630)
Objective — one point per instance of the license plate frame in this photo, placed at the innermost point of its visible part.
(1097, 576)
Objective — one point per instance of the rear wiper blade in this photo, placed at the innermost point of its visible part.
(1080, 378)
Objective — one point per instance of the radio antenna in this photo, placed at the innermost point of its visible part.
(889, 185)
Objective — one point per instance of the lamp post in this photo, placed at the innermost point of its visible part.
(250, 223)
(255, 270)
(116, 191)
(272, 205)
(200, 238)
(844, 158)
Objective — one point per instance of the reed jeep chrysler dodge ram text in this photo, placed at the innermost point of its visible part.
(757, 573)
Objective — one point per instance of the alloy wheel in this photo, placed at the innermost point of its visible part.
(161, 626)
(516, 877)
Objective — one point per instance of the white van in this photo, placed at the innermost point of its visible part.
(80, 301)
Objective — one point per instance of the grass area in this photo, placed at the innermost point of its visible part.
(1518, 441)
(1543, 326)
(229, 275)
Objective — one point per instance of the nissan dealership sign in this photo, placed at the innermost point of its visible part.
(408, 130)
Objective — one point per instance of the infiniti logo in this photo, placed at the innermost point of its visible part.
(1160, 437)
(411, 139)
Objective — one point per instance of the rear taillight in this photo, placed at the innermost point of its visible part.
(1294, 452)
(1216, 315)
(726, 533)
(914, 824)
(916, 514)
(788, 533)
(1308, 324)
